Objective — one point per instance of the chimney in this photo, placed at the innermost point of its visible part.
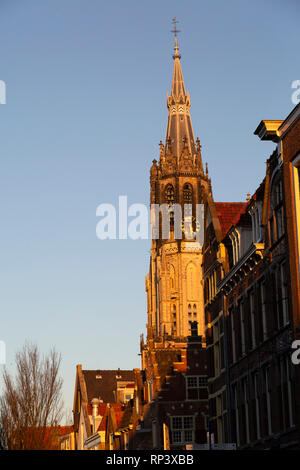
(95, 404)
(194, 328)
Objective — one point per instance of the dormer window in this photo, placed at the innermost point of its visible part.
(255, 213)
(235, 240)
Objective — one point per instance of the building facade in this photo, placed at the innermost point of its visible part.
(100, 399)
(252, 308)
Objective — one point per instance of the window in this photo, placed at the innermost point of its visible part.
(263, 309)
(284, 298)
(236, 413)
(252, 313)
(196, 387)
(182, 429)
(212, 285)
(174, 324)
(216, 348)
(281, 296)
(187, 193)
(256, 398)
(219, 413)
(279, 222)
(246, 408)
(276, 219)
(233, 336)
(268, 397)
(190, 318)
(235, 240)
(242, 320)
(195, 312)
(169, 198)
(169, 194)
(256, 222)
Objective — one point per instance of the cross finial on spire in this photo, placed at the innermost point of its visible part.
(175, 31)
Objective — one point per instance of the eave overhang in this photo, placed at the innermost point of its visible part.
(241, 268)
(268, 130)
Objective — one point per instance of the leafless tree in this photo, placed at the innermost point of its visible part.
(31, 404)
(68, 417)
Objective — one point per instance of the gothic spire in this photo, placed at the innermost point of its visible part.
(179, 128)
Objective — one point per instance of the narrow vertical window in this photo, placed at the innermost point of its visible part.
(256, 397)
(242, 320)
(245, 396)
(174, 322)
(252, 313)
(263, 309)
(268, 395)
(194, 312)
(187, 194)
(284, 298)
(233, 337)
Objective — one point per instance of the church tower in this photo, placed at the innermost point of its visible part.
(174, 283)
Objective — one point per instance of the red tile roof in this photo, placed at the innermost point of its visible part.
(118, 410)
(229, 213)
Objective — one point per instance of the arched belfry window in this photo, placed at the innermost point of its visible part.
(169, 194)
(169, 198)
(195, 311)
(190, 319)
(187, 193)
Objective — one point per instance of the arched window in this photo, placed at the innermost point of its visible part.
(194, 312)
(190, 318)
(169, 194)
(187, 193)
(169, 199)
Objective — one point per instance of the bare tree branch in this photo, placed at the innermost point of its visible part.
(31, 405)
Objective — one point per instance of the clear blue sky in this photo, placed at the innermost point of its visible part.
(86, 107)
